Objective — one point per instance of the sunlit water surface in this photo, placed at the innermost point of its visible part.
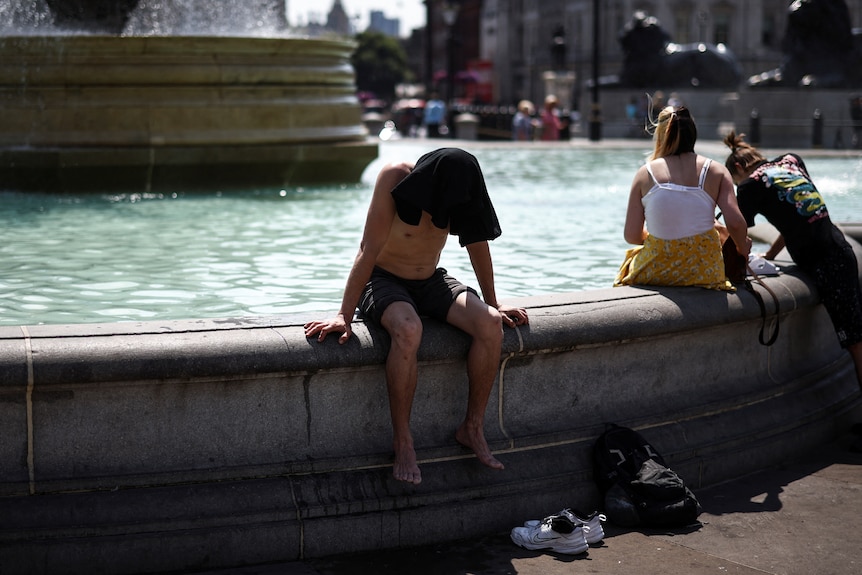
(107, 258)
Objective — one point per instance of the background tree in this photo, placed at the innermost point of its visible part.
(380, 64)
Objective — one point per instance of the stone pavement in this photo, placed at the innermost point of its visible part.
(803, 518)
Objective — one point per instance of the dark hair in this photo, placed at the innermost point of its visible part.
(742, 154)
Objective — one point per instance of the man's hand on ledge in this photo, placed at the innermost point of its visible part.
(324, 327)
(513, 316)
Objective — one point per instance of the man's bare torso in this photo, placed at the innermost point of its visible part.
(413, 252)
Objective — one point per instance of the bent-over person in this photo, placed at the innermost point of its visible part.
(782, 191)
(395, 279)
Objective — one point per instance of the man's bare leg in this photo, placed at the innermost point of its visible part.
(484, 324)
(405, 330)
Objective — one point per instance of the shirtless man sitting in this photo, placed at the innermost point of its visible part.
(395, 278)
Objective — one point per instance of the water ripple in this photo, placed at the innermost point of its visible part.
(90, 258)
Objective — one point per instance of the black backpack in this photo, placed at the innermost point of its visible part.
(637, 486)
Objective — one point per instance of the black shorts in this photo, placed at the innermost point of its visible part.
(837, 279)
(430, 297)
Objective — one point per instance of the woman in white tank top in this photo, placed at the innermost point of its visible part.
(671, 212)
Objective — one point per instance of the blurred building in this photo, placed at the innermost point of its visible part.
(380, 23)
(452, 48)
(337, 21)
(503, 49)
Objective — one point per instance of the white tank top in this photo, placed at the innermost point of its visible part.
(673, 211)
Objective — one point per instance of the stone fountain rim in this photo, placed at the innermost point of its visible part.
(38, 41)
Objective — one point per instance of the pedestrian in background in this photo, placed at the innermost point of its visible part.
(522, 122)
(435, 115)
(550, 120)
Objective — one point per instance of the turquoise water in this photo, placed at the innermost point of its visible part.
(98, 258)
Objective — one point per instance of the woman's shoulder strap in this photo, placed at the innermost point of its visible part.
(649, 169)
(703, 172)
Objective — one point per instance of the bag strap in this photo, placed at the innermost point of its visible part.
(759, 298)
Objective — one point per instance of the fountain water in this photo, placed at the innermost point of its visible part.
(145, 95)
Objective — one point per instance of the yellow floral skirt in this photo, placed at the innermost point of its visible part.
(692, 261)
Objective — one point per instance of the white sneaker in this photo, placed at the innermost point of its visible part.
(556, 532)
(594, 532)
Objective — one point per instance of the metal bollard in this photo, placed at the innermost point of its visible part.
(817, 131)
(754, 127)
(595, 122)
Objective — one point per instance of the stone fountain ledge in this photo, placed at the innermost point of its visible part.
(177, 445)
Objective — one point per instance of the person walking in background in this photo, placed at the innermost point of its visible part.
(633, 118)
(675, 100)
(395, 279)
(435, 115)
(671, 212)
(550, 120)
(783, 192)
(522, 122)
(637, 114)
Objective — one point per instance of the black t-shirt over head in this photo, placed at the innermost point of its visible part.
(448, 184)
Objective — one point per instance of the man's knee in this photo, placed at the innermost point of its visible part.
(479, 320)
(489, 326)
(403, 325)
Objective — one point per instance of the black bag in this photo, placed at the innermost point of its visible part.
(735, 264)
(637, 486)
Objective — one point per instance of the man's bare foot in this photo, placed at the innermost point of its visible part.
(405, 467)
(475, 439)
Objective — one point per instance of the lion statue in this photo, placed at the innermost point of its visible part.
(820, 48)
(651, 60)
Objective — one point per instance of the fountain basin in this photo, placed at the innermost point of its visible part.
(161, 113)
(183, 445)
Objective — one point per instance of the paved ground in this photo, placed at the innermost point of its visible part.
(803, 518)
